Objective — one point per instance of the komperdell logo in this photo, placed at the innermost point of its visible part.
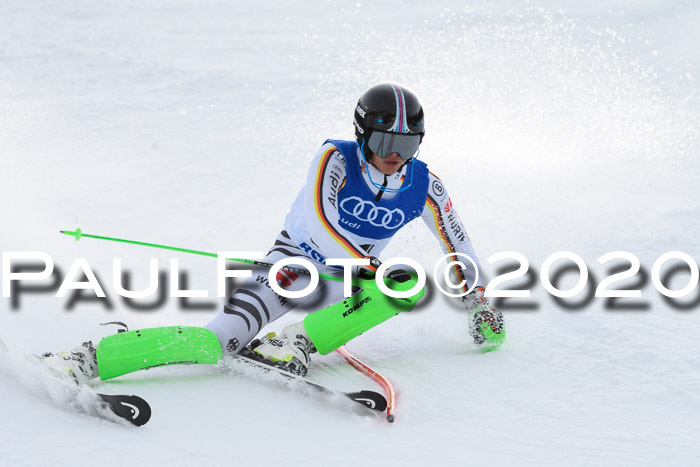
(357, 306)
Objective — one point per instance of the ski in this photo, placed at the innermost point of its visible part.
(133, 409)
(368, 399)
(82, 399)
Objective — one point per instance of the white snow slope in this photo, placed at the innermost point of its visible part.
(555, 126)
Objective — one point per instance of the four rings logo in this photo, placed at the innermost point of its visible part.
(376, 215)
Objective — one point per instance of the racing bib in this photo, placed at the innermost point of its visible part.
(358, 210)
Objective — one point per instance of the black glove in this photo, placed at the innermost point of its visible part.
(486, 324)
(369, 271)
(399, 275)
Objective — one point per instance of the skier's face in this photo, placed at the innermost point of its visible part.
(389, 165)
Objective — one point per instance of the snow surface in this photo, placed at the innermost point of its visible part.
(555, 126)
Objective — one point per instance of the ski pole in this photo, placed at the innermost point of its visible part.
(78, 234)
(362, 283)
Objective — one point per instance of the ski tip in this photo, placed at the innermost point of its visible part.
(370, 399)
(131, 408)
(390, 418)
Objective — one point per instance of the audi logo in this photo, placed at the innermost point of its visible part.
(367, 211)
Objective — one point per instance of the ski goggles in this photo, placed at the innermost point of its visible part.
(383, 144)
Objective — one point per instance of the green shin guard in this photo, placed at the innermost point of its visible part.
(131, 351)
(337, 324)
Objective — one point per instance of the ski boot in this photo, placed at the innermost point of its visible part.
(78, 365)
(288, 351)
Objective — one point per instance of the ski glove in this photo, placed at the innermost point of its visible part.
(486, 324)
(369, 271)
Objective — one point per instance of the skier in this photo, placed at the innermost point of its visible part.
(358, 195)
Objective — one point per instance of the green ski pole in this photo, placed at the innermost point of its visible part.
(78, 234)
(364, 284)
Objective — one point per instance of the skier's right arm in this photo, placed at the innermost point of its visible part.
(325, 178)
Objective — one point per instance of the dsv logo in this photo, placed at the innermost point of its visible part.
(367, 211)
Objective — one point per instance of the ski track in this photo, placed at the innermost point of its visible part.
(554, 126)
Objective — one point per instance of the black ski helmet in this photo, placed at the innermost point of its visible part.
(387, 110)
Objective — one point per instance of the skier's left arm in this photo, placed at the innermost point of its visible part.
(485, 323)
